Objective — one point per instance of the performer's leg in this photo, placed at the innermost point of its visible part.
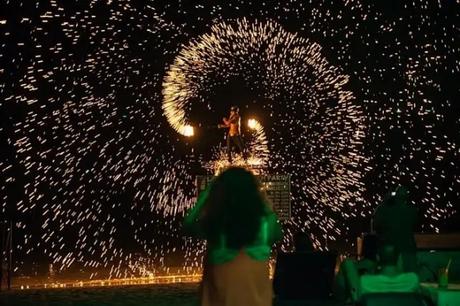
(240, 145)
(234, 143)
(229, 149)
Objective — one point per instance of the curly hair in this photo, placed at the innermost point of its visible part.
(234, 208)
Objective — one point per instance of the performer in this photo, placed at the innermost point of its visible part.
(234, 133)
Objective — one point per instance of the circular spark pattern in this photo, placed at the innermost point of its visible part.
(293, 74)
(96, 180)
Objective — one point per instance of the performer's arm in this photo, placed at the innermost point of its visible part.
(233, 119)
(223, 125)
(227, 122)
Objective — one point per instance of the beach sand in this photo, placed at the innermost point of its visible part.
(181, 294)
(157, 295)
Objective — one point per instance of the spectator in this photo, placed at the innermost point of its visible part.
(305, 273)
(388, 279)
(302, 243)
(240, 228)
(394, 223)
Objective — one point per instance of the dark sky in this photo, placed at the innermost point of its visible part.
(85, 147)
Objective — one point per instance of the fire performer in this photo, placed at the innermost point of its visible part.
(233, 123)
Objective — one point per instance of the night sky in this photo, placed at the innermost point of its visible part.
(351, 98)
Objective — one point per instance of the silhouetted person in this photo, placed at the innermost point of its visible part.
(394, 222)
(304, 273)
(302, 243)
(233, 123)
(240, 228)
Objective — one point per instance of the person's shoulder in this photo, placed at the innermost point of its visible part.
(369, 279)
(409, 276)
(366, 264)
(268, 210)
(403, 282)
(270, 217)
(381, 209)
(412, 207)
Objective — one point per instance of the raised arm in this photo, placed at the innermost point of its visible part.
(275, 232)
(191, 224)
(234, 119)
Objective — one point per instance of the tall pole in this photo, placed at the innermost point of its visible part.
(10, 254)
(2, 251)
(6, 253)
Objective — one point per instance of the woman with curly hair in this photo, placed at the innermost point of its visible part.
(240, 228)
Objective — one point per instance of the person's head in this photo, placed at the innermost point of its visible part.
(401, 194)
(234, 109)
(388, 255)
(302, 243)
(234, 207)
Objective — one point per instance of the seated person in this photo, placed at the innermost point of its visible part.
(366, 265)
(388, 279)
(304, 273)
